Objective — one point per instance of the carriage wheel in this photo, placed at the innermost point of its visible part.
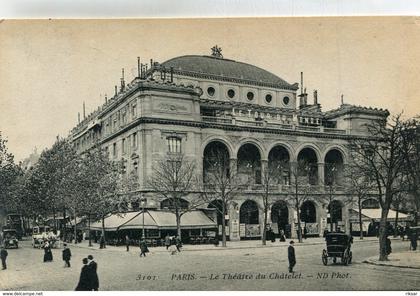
(324, 257)
(345, 258)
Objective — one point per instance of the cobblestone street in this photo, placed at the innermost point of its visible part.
(242, 266)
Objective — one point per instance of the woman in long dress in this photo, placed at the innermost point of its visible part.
(48, 257)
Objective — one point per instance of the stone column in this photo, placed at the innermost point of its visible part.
(233, 162)
(321, 173)
(264, 167)
(234, 222)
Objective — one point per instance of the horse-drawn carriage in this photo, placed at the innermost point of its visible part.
(338, 246)
(41, 234)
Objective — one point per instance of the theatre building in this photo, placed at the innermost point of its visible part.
(195, 104)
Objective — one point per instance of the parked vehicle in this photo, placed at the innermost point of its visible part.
(338, 246)
(10, 238)
(40, 234)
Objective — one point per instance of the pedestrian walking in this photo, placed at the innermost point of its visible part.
(291, 256)
(3, 256)
(388, 248)
(178, 244)
(102, 242)
(167, 241)
(282, 236)
(66, 256)
(84, 280)
(48, 256)
(127, 243)
(93, 274)
(143, 248)
(413, 239)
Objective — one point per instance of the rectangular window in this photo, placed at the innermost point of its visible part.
(124, 118)
(114, 149)
(123, 146)
(174, 144)
(133, 111)
(134, 140)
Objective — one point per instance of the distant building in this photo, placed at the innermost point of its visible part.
(192, 104)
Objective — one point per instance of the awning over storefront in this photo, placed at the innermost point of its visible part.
(113, 222)
(137, 222)
(167, 220)
(154, 219)
(375, 214)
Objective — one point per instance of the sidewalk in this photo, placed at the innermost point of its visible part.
(245, 244)
(407, 259)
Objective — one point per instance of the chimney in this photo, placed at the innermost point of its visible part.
(122, 80)
(303, 97)
(138, 67)
(78, 117)
(84, 110)
(106, 98)
(315, 97)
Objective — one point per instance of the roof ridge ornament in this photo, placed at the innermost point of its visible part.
(216, 51)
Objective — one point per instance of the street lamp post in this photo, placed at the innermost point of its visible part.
(143, 201)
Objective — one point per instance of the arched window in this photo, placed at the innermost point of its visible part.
(173, 203)
(248, 213)
(308, 212)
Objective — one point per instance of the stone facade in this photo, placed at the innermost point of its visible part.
(190, 102)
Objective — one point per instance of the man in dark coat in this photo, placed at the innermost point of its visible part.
(127, 243)
(413, 239)
(143, 248)
(66, 256)
(3, 256)
(178, 243)
(93, 268)
(84, 281)
(291, 256)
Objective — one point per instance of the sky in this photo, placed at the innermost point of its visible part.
(48, 68)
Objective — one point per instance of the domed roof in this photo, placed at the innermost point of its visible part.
(217, 68)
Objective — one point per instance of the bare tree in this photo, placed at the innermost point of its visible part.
(380, 155)
(173, 179)
(359, 187)
(299, 189)
(411, 153)
(271, 177)
(221, 182)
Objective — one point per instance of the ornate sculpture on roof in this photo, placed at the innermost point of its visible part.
(216, 51)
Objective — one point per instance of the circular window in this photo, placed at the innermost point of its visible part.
(286, 100)
(211, 91)
(268, 98)
(231, 93)
(250, 95)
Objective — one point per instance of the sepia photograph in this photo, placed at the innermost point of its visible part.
(210, 154)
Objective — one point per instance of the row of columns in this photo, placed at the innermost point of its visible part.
(264, 164)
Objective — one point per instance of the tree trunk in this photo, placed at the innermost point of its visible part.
(103, 230)
(396, 221)
(359, 204)
(223, 225)
(264, 236)
(75, 228)
(299, 232)
(65, 224)
(90, 237)
(383, 235)
(178, 223)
